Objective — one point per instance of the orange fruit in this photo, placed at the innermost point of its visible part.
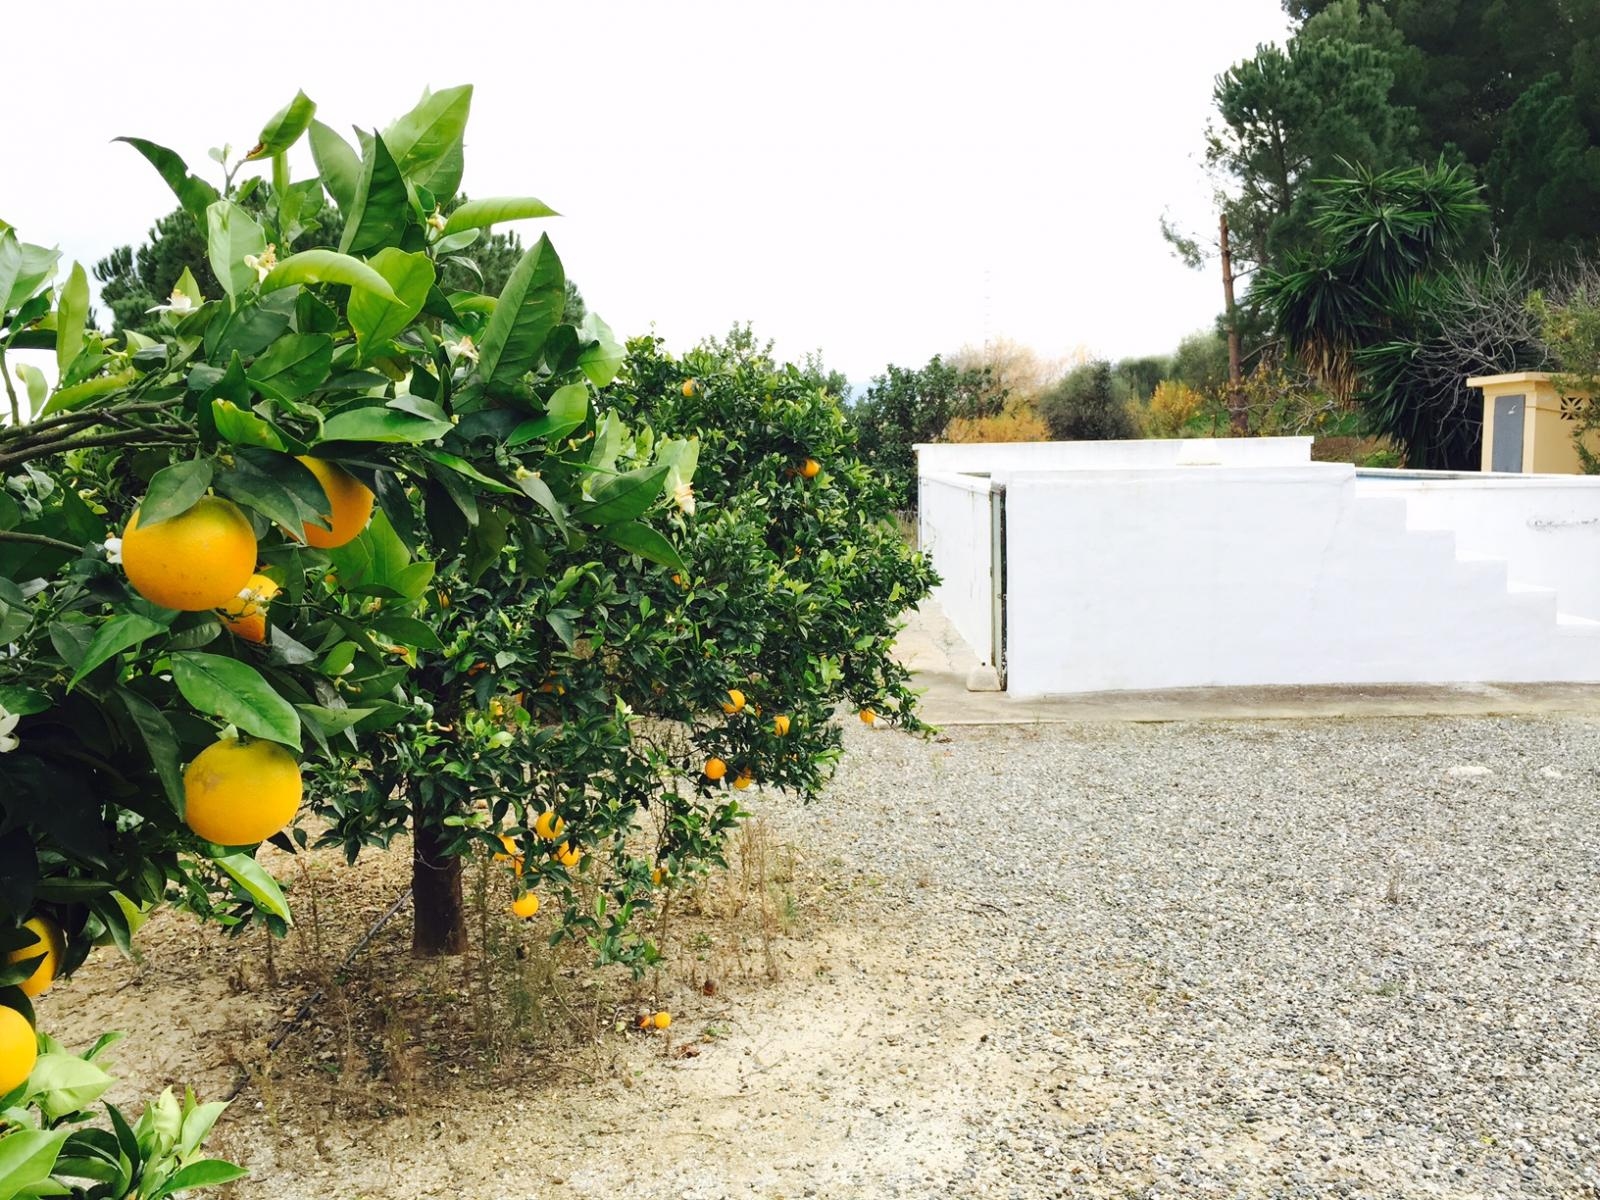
(735, 701)
(510, 853)
(549, 826)
(811, 468)
(197, 560)
(54, 947)
(566, 855)
(743, 780)
(475, 668)
(646, 1021)
(689, 386)
(868, 716)
(239, 793)
(662, 1019)
(658, 876)
(715, 769)
(525, 905)
(780, 725)
(19, 1049)
(349, 499)
(247, 615)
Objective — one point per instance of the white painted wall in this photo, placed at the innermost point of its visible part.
(1184, 577)
(1545, 527)
(996, 457)
(954, 529)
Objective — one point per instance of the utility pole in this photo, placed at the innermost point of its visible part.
(1236, 410)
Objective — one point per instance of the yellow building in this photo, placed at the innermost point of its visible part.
(1528, 424)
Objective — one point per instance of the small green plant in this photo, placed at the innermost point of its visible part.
(48, 1147)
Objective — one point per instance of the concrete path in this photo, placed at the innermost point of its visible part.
(940, 661)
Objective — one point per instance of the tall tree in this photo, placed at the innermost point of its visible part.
(1289, 115)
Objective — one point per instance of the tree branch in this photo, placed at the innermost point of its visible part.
(136, 438)
(37, 539)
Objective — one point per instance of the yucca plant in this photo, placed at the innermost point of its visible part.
(1378, 235)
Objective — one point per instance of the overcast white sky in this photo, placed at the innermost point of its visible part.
(883, 181)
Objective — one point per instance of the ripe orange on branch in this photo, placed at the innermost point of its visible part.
(52, 945)
(715, 769)
(239, 793)
(734, 703)
(246, 617)
(19, 1049)
(349, 500)
(196, 560)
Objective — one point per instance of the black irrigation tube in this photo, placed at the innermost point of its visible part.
(293, 1023)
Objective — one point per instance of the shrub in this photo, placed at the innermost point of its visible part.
(1172, 406)
(1019, 423)
(903, 407)
(1087, 406)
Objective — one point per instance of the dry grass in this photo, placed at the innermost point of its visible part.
(390, 1031)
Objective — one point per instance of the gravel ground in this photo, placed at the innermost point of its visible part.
(1268, 959)
(1272, 959)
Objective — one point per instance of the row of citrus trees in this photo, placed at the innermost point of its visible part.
(336, 554)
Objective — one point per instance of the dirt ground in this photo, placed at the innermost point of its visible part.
(516, 1071)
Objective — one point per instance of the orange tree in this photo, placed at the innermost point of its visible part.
(219, 525)
(595, 722)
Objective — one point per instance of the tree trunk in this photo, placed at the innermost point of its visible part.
(439, 919)
(1236, 409)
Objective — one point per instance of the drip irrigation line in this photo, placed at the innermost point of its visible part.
(293, 1023)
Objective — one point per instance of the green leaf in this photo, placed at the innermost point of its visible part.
(603, 359)
(462, 467)
(206, 1172)
(10, 265)
(79, 394)
(382, 424)
(236, 692)
(231, 235)
(38, 386)
(331, 721)
(530, 306)
(337, 163)
(567, 409)
(276, 485)
(623, 497)
(408, 631)
(254, 879)
(293, 365)
(194, 193)
(381, 209)
(427, 141)
(244, 428)
(173, 491)
(476, 214)
(646, 542)
(23, 701)
(285, 128)
(71, 313)
(160, 743)
(539, 492)
(64, 1083)
(328, 266)
(27, 1156)
(376, 319)
(112, 638)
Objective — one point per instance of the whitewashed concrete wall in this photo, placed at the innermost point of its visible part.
(1545, 527)
(996, 457)
(1184, 577)
(954, 527)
